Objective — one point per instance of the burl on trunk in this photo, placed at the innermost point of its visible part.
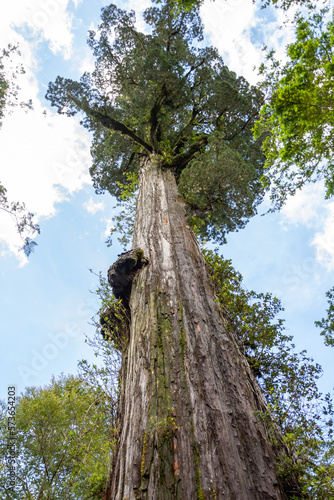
(187, 411)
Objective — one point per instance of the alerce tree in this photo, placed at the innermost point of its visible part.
(164, 107)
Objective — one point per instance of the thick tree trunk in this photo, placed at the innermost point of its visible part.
(188, 426)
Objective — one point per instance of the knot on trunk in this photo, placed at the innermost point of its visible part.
(123, 271)
(115, 321)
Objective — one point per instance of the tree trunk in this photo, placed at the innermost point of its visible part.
(187, 414)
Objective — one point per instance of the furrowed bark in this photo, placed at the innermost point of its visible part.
(187, 414)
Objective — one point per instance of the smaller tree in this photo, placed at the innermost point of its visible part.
(300, 418)
(298, 113)
(64, 440)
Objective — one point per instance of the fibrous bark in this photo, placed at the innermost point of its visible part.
(188, 427)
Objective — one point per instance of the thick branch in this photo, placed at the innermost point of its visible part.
(110, 123)
(241, 129)
(193, 68)
(154, 117)
(180, 161)
(183, 133)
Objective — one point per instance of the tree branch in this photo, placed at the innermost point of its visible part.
(154, 117)
(180, 161)
(182, 136)
(110, 123)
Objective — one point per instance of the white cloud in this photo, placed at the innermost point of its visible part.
(229, 25)
(92, 207)
(324, 241)
(46, 20)
(309, 208)
(87, 64)
(306, 206)
(109, 227)
(240, 28)
(44, 156)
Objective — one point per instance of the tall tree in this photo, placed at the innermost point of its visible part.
(165, 107)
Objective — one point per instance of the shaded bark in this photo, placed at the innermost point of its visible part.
(187, 412)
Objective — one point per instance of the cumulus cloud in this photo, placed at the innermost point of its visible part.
(44, 159)
(229, 25)
(324, 240)
(44, 20)
(44, 156)
(240, 28)
(93, 207)
(109, 226)
(306, 206)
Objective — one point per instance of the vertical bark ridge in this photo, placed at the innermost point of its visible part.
(188, 427)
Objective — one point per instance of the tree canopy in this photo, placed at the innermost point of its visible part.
(281, 4)
(164, 94)
(298, 113)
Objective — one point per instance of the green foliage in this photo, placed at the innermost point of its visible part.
(299, 112)
(327, 324)
(282, 4)
(112, 324)
(22, 219)
(63, 435)
(184, 5)
(124, 220)
(162, 95)
(286, 4)
(288, 380)
(8, 87)
(222, 187)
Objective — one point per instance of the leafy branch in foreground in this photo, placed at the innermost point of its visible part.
(288, 380)
(298, 115)
(327, 324)
(124, 220)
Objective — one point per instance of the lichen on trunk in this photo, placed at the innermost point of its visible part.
(188, 400)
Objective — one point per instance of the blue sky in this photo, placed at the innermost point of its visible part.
(45, 302)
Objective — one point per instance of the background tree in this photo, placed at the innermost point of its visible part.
(63, 438)
(327, 324)
(165, 107)
(187, 5)
(298, 113)
(288, 380)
